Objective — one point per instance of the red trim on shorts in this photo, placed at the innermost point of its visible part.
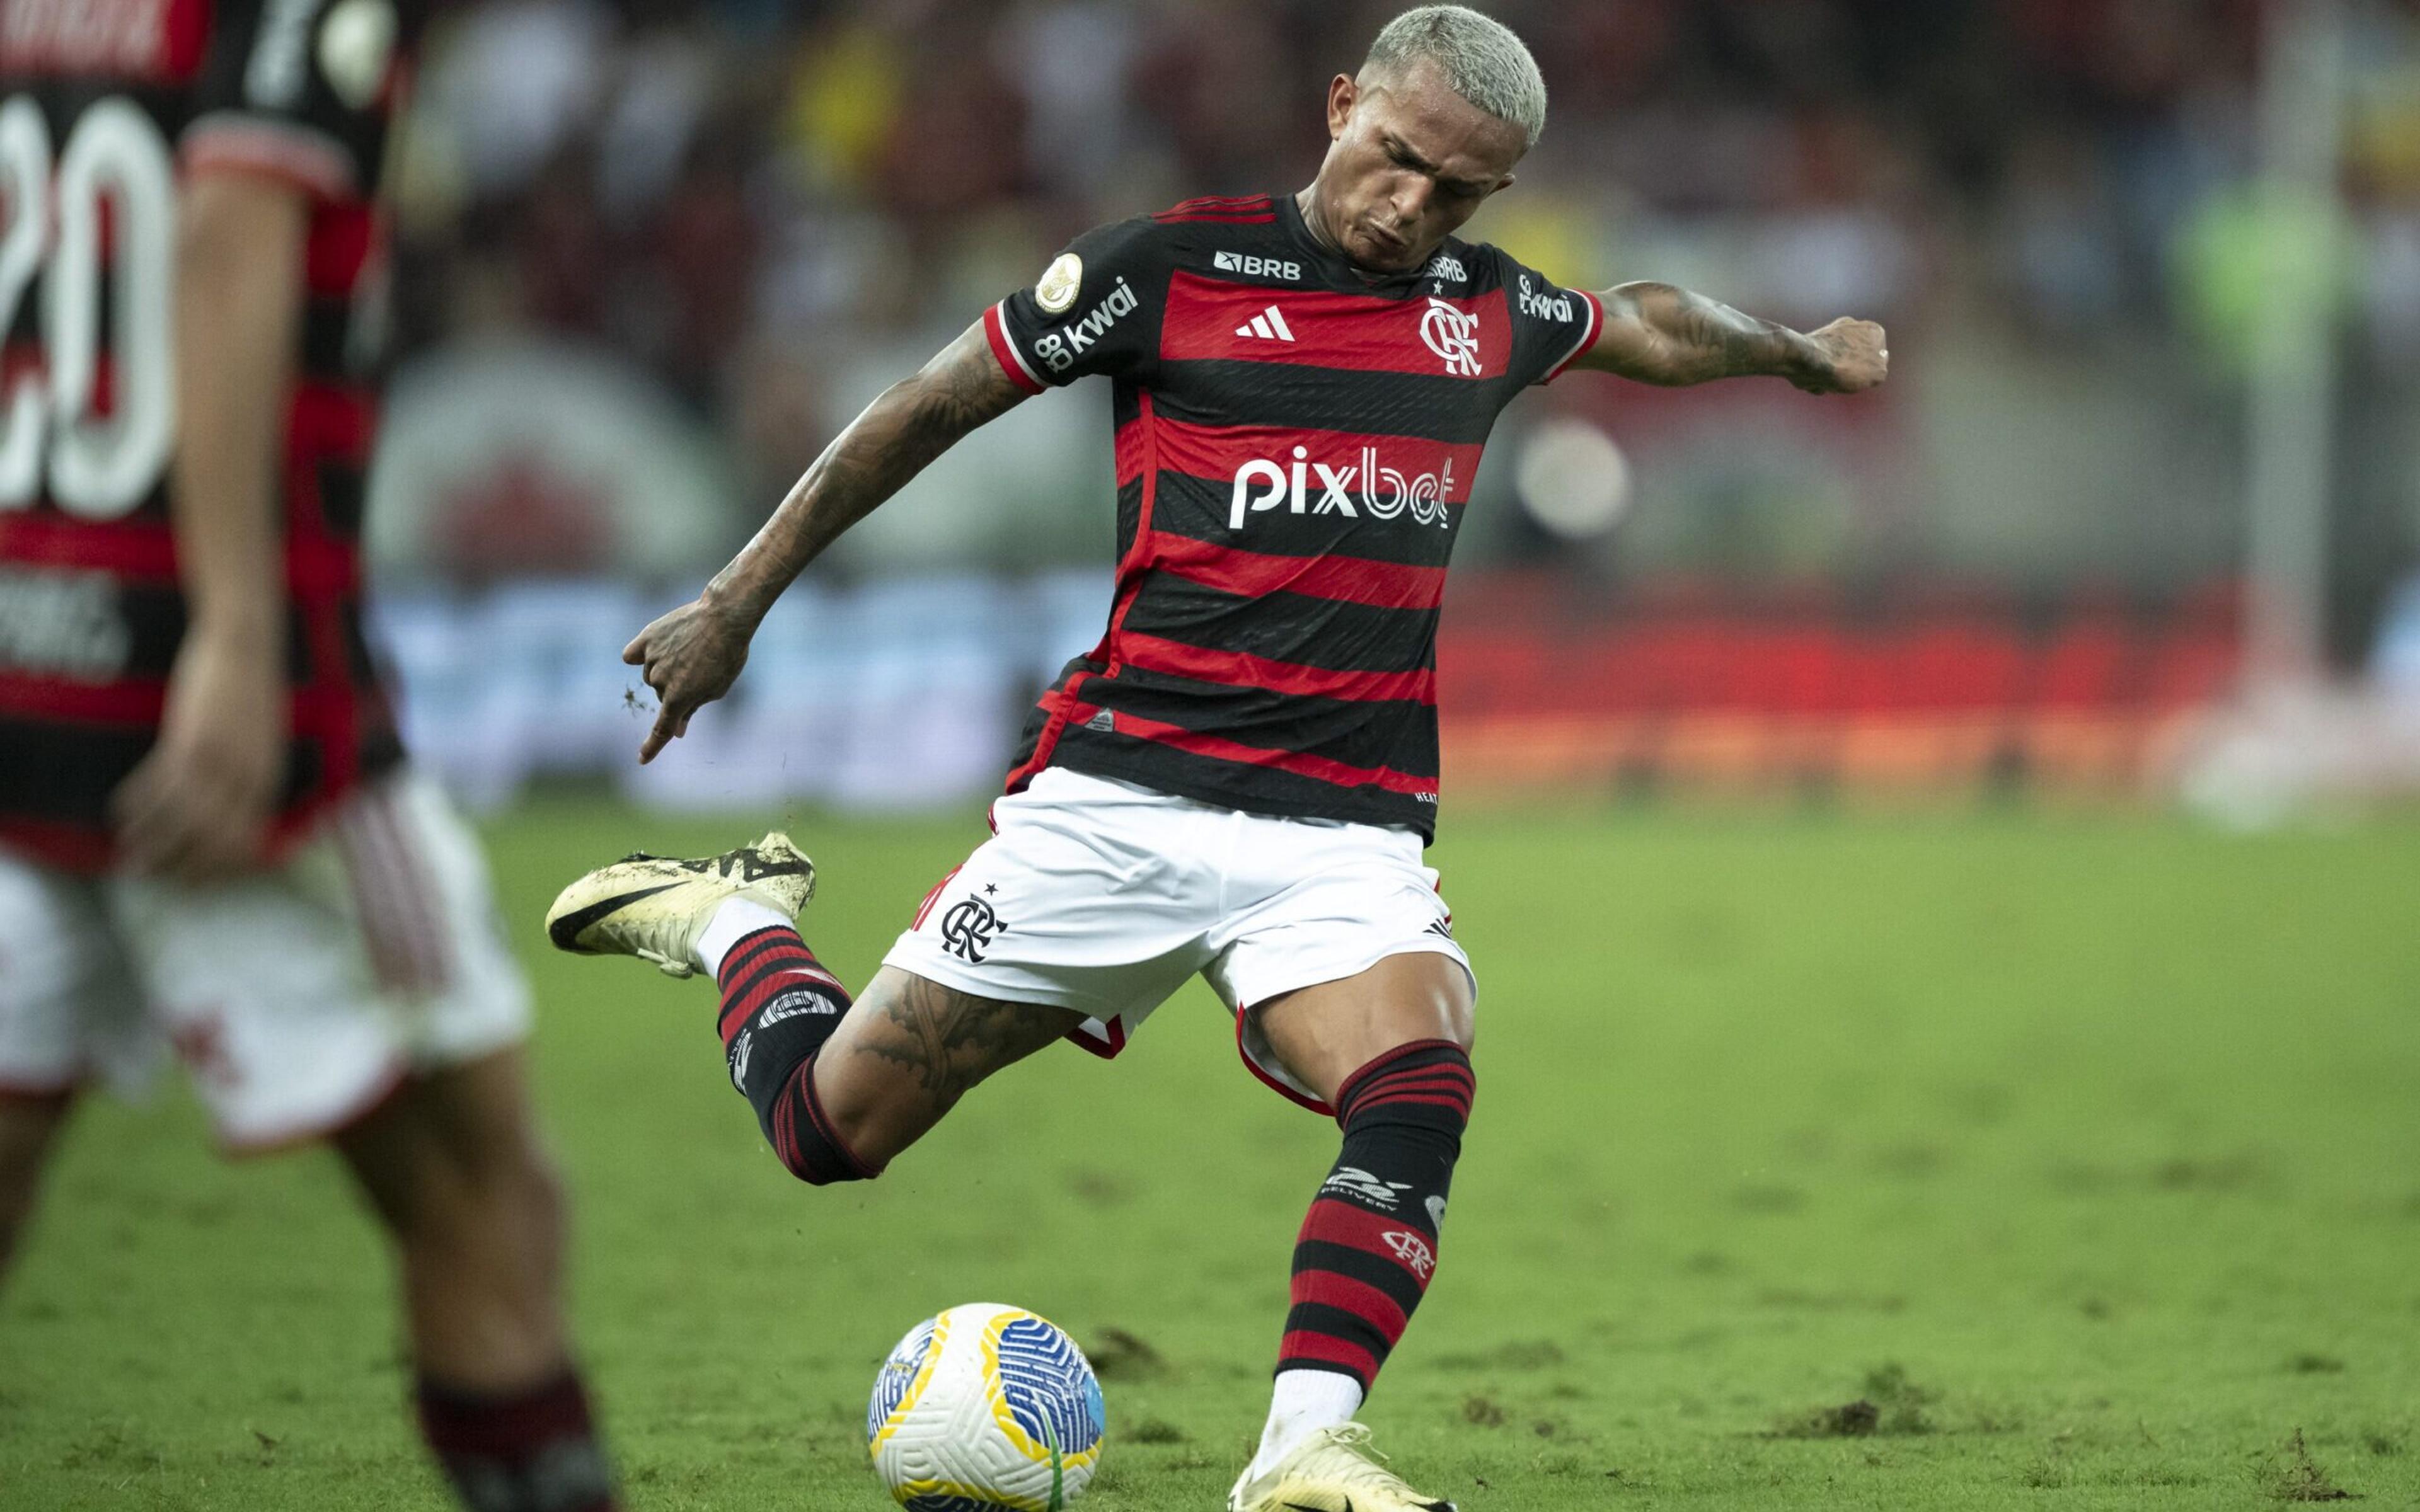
(926, 906)
(1313, 1104)
(1108, 1047)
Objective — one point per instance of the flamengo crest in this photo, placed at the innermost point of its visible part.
(1453, 334)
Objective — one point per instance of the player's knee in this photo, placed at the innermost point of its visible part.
(1429, 1083)
(817, 1147)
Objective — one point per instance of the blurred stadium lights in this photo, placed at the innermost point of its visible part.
(2293, 393)
(1573, 479)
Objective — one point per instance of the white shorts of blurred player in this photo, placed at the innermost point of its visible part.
(1103, 897)
(297, 999)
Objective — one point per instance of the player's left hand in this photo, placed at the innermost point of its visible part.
(1860, 358)
(197, 809)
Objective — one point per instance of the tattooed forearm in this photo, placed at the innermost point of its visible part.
(950, 1039)
(896, 437)
(1658, 334)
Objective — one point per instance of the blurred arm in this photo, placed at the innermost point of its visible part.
(198, 805)
(693, 654)
(1656, 334)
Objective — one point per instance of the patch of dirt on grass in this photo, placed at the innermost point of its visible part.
(1850, 1420)
(1893, 1404)
(2291, 1474)
(1156, 1430)
(1481, 1412)
(1526, 1355)
(2315, 1364)
(1119, 1355)
(1100, 1189)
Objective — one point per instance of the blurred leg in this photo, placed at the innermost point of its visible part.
(452, 1165)
(29, 1123)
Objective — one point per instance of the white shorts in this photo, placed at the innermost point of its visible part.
(1103, 897)
(296, 998)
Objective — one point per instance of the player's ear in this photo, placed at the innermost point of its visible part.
(1341, 95)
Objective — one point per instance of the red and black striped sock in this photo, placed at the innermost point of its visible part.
(779, 1004)
(1367, 1250)
(536, 1451)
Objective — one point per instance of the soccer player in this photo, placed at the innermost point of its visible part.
(1239, 778)
(207, 834)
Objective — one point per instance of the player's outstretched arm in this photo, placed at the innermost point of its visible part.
(693, 654)
(1656, 334)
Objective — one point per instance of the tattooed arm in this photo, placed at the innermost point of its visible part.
(1656, 334)
(693, 655)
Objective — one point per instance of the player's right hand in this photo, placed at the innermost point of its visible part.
(691, 656)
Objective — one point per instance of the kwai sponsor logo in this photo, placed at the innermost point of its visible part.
(1363, 486)
(1059, 351)
(1544, 307)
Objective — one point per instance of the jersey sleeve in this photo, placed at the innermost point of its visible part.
(1551, 326)
(299, 89)
(1095, 309)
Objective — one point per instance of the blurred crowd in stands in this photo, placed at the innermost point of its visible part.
(741, 216)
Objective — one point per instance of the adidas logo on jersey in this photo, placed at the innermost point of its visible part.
(1252, 267)
(1269, 324)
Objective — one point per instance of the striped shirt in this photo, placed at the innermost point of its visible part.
(105, 104)
(1296, 443)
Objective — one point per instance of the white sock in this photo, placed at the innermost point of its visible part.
(1303, 1402)
(733, 921)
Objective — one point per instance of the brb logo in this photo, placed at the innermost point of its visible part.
(1366, 488)
(1059, 352)
(1454, 335)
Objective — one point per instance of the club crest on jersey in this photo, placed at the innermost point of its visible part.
(1454, 335)
(1060, 282)
(1059, 352)
(1363, 488)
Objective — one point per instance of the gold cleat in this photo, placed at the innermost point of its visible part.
(1335, 1469)
(654, 907)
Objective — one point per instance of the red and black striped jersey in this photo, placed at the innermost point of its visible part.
(1296, 443)
(105, 106)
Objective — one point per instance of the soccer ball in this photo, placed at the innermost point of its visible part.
(985, 1407)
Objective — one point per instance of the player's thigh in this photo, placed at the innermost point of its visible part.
(1325, 1033)
(452, 1156)
(910, 1047)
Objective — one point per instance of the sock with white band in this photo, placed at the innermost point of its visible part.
(733, 921)
(1302, 1403)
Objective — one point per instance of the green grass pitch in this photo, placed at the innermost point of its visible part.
(2085, 1155)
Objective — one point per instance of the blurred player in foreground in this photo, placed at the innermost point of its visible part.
(207, 834)
(1238, 780)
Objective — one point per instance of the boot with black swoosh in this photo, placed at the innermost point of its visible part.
(655, 906)
(1334, 1470)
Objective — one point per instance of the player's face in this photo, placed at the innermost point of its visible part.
(1408, 162)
